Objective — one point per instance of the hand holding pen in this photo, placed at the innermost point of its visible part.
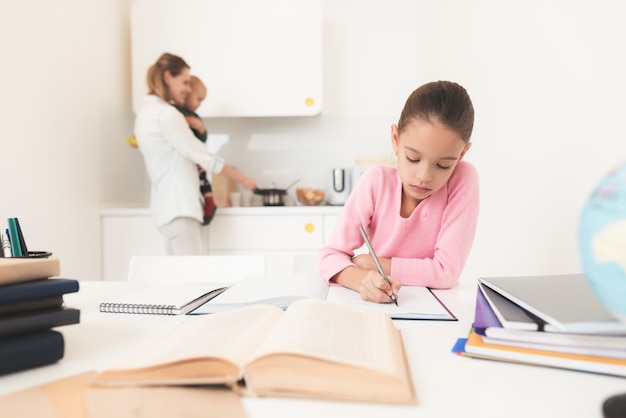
(377, 262)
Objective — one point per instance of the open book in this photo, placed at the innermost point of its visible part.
(313, 349)
(414, 302)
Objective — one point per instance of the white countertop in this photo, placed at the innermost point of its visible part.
(139, 209)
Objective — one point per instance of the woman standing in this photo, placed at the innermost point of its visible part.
(172, 153)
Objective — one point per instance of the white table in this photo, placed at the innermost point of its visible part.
(446, 385)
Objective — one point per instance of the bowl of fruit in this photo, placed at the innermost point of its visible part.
(309, 196)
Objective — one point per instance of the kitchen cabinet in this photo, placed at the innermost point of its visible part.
(280, 233)
(258, 58)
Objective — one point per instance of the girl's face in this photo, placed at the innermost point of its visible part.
(178, 87)
(428, 153)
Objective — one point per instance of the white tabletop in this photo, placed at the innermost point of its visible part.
(446, 385)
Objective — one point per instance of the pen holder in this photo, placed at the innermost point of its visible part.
(36, 254)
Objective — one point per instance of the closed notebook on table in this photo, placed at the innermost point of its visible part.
(13, 270)
(42, 319)
(31, 305)
(491, 330)
(564, 302)
(25, 351)
(476, 347)
(36, 289)
(313, 349)
(508, 314)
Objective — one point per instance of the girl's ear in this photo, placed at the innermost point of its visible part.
(394, 137)
(467, 147)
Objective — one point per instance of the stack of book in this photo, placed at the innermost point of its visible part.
(31, 305)
(554, 321)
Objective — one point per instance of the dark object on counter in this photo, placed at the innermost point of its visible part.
(274, 196)
(615, 406)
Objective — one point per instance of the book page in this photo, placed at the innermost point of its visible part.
(334, 333)
(414, 302)
(229, 335)
(278, 291)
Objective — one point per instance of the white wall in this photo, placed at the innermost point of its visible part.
(546, 78)
(65, 98)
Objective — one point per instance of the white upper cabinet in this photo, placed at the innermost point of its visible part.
(258, 58)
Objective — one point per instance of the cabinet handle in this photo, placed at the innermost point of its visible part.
(309, 228)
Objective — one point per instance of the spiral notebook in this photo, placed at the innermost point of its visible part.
(164, 299)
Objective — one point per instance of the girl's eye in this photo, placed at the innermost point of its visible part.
(412, 161)
(443, 167)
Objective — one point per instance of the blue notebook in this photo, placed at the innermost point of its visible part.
(25, 351)
(36, 289)
(42, 319)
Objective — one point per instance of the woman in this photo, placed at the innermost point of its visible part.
(172, 153)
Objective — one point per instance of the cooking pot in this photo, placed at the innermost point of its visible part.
(273, 196)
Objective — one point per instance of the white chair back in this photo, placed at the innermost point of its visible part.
(201, 268)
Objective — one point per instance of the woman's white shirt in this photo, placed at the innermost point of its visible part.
(171, 153)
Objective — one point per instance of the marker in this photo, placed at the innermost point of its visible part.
(6, 246)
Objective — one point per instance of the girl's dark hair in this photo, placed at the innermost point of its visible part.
(445, 102)
(155, 77)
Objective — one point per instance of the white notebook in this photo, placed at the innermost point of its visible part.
(164, 299)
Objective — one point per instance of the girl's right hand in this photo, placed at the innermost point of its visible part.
(374, 288)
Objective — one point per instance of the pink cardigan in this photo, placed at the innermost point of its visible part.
(429, 248)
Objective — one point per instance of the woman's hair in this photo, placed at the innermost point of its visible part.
(445, 102)
(155, 77)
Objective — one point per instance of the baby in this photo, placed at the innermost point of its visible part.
(192, 103)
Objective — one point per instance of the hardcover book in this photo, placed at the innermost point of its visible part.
(477, 347)
(38, 320)
(564, 302)
(13, 270)
(35, 289)
(25, 351)
(313, 349)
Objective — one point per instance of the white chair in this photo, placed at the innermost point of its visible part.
(201, 268)
(305, 263)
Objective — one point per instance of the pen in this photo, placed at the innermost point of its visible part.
(378, 266)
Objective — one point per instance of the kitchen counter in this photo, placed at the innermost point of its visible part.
(278, 232)
(125, 209)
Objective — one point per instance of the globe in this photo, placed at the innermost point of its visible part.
(602, 237)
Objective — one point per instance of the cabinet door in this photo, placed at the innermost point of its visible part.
(256, 57)
(266, 233)
(124, 237)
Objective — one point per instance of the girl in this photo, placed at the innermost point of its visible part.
(172, 153)
(420, 215)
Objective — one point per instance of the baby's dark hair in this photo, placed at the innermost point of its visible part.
(445, 102)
